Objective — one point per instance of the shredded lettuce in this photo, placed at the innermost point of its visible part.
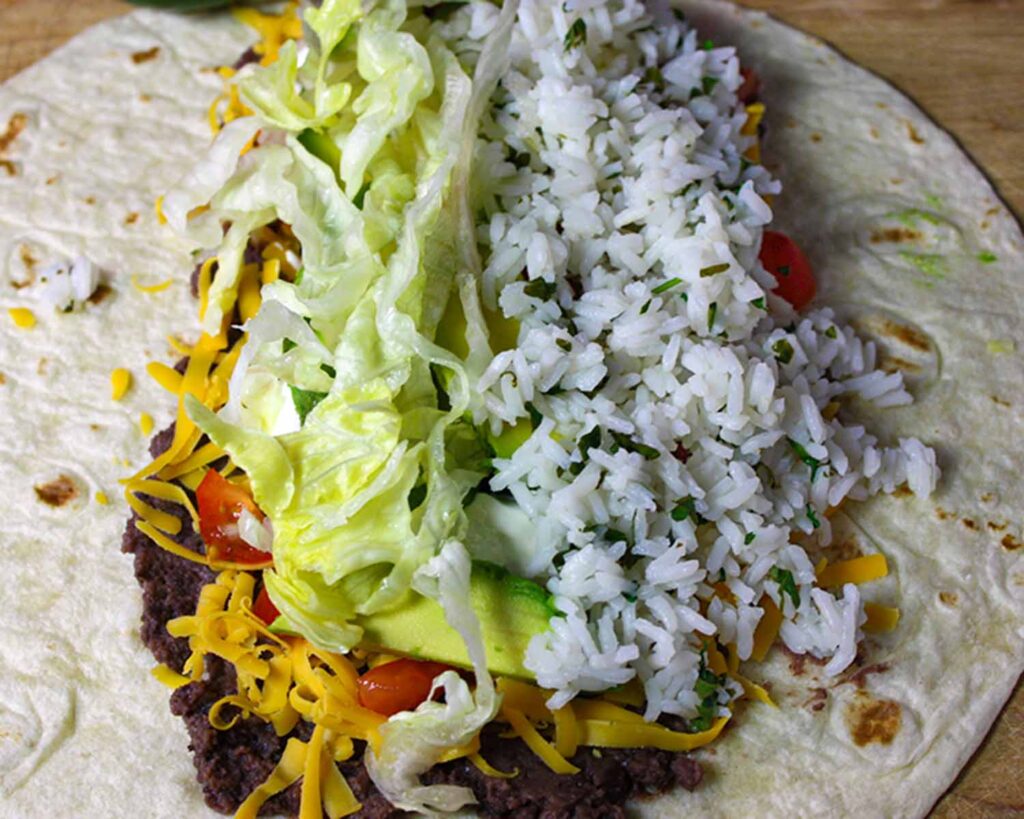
(413, 742)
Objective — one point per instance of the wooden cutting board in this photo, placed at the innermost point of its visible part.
(961, 60)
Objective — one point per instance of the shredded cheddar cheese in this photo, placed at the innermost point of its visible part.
(880, 618)
(159, 287)
(101, 498)
(22, 317)
(857, 570)
(120, 381)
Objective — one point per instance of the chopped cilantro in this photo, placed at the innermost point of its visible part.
(706, 687)
(646, 307)
(787, 585)
(721, 575)
(806, 457)
(813, 518)
(832, 332)
(707, 45)
(749, 538)
(987, 257)
(713, 269)
(708, 84)
(712, 312)
(360, 196)
(615, 536)
(287, 345)
(654, 76)
(564, 344)
(305, 401)
(329, 370)
(630, 597)
(535, 416)
(298, 276)
(783, 350)
(759, 303)
(576, 35)
(664, 286)
(587, 442)
(687, 508)
(625, 442)
(540, 289)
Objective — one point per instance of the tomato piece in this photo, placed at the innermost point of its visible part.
(220, 505)
(398, 686)
(781, 257)
(750, 87)
(264, 607)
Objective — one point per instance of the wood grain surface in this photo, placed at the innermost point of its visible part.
(961, 60)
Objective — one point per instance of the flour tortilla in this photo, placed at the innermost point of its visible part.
(84, 730)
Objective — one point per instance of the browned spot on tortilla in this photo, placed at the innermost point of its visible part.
(44, 362)
(90, 200)
(894, 235)
(798, 662)
(131, 218)
(949, 598)
(997, 400)
(942, 514)
(1011, 543)
(53, 180)
(908, 335)
(9, 167)
(996, 527)
(145, 97)
(95, 427)
(913, 134)
(988, 497)
(817, 700)
(57, 492)
(15, 125)
(815, 137)
(99, 294)
(3, 378)
(860, 678)
(893, 363)
(984, 224)
(902, 491)
(992, 211)
(874, 132)
(145, 56)
(881, 105)
(895, 181)
(874, 721)
(970, 524)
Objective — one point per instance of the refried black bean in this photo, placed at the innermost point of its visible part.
(230, 764)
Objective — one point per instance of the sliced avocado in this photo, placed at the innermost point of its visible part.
(512, 610)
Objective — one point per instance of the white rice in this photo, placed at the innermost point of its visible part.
(613, 171)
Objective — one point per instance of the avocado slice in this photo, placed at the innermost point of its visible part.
(512, 610)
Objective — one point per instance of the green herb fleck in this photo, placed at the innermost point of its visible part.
(812, 517)
(706, 687)
(787, 585)
(712, 312)
(713, 269)
(654, 76)
(564, 344)
(646, 307)
(721, 575)
(629, 597)
(576, 35)
(783, 350)
(535, 416)
(708, 84)
(305, 401)
(806, 457)
(832, 332)
(615, 536)
(540, 289)
(648, 452)
(329, 370)
(287, 345)
(707, 45)
(759, 303)
(665, 286)
(987, 257)
(298, 276)
(749, 538)
(687, 508)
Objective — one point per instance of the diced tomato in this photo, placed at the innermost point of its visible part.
(264, 607)
(781, 257)
(220, 506)
(750, 87)
(398, 686)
